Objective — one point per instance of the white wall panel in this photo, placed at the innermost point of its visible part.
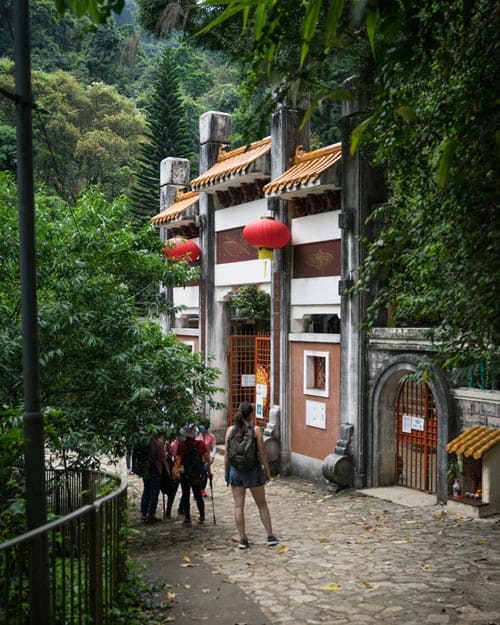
(315, 291)
(246, 272)
(238, 216)
(188, 296)
(322, 227)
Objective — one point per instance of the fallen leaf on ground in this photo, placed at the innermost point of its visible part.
(282, 549)
(186, 559)
(332, 587)
(440, 515)
(367, 584)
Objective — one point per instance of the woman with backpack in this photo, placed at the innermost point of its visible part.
(191, 462)
(246, 466)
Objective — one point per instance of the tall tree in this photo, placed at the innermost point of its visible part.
(82, 134)
(166, 134)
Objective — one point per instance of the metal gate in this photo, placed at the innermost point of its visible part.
(416, 437)
(249, 374)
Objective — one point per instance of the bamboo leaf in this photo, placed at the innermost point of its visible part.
(309, 25)
(371, 23)
(335, 10)
(357, 134)
(448, 150)
(260, 21)
(335, 94)
(230, 11)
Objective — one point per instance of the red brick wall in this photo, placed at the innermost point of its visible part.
(305, 439)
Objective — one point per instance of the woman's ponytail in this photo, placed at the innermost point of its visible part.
(241, 418)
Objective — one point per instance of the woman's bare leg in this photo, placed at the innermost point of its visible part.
(259, 495)
(239, 509)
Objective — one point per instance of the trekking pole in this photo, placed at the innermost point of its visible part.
(212, 496)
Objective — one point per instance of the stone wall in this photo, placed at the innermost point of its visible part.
(476, 407)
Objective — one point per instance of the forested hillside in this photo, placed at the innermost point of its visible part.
(99, 95)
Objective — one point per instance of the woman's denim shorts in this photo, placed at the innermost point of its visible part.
(247, 479)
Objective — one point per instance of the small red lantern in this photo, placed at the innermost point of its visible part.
(181, 249)
(267, 234)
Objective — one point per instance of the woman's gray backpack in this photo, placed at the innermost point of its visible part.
(243, 454)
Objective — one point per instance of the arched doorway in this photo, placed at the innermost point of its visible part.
(392, 396)
(416, 430)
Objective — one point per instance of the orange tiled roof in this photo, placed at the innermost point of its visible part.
(306, 169)
(232, 163)
(475, 441)
(183, 201)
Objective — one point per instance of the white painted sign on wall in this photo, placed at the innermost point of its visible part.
(316, 414)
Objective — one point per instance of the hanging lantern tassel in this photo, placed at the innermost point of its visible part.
(267, 235)
(181, 249)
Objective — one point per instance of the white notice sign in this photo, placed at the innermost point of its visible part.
(316, 414)
(406, 423)
(409, 423)
(417, 423)
(261, 389)
(248, 380)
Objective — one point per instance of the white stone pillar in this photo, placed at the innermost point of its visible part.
(174, 175)
(215, 129)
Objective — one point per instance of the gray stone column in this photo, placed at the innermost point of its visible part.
(286, 135)
(215, 129)
(174, 175)
(362, 188)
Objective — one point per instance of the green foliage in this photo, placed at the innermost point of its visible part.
(12, 512)
(108, 377)
(280, 64)
(252, 303)
(97, 10)
(433, 132)
(82, 135)
(166, 134)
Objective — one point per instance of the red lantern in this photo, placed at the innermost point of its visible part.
(267, 234)
(181, 249)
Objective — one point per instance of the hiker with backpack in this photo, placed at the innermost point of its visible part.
(168, 485)
(209, 439)
(246, 466)
(149, 463)
(191, 463)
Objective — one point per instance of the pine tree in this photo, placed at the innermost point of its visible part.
(166, 134)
